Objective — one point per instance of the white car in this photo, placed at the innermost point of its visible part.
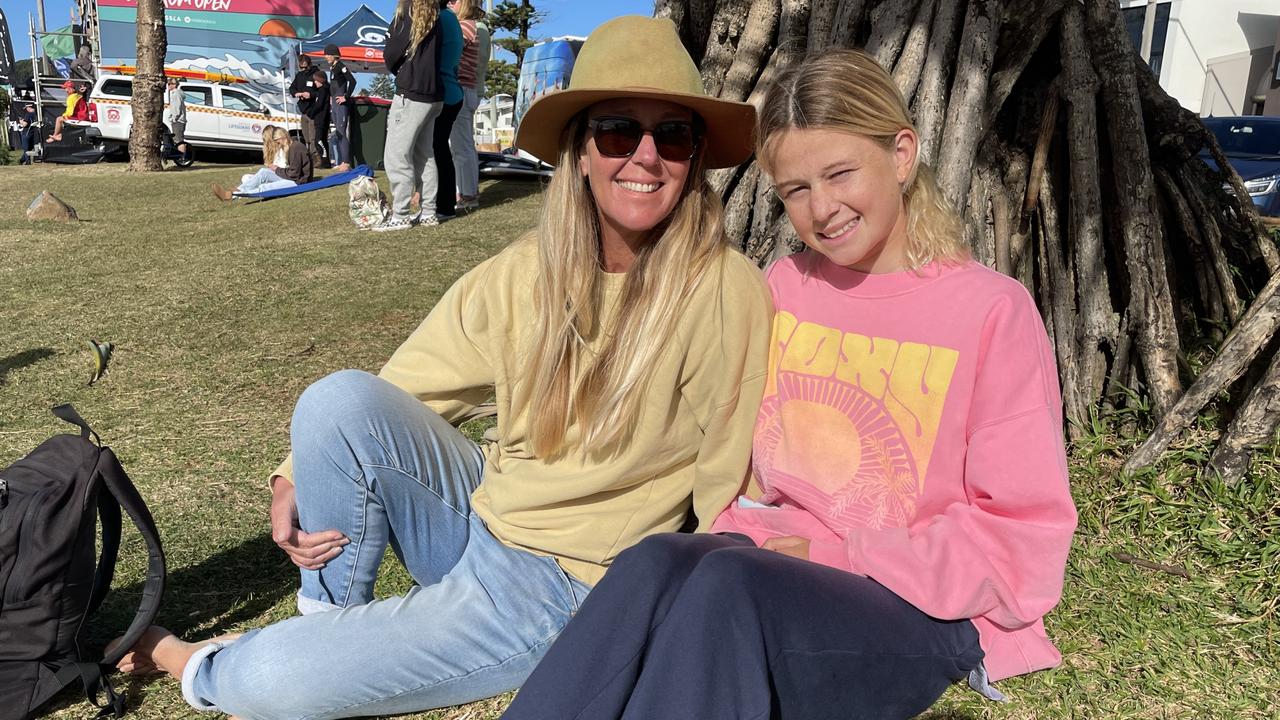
(218, 116)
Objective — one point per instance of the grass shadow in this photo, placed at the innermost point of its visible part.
(509, 189)
(19, 360)
(211, 597)
(948, 714)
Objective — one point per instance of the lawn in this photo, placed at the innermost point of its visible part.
(221, 314)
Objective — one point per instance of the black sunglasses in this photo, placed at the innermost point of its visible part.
(675, 140)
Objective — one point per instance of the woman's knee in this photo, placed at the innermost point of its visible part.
(668, 553)
(336, 400)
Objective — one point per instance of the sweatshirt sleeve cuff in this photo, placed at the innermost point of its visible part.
(829, 553)
(285, 471)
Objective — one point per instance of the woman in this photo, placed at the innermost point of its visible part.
(625, 344)
(77, 109)
(915, 517)
(452, 44)
(411, 54)
(471, 74)
(286, 164)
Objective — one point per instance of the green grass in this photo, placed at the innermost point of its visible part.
(221, 315)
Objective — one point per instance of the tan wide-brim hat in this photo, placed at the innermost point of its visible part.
(638, 57)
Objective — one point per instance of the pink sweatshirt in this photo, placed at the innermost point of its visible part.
(911, 430)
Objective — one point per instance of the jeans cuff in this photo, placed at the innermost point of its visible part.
(310, 606)
(189, 676)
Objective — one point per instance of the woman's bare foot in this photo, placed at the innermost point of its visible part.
(161, 651)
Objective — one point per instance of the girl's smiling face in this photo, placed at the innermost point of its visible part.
(843, 194)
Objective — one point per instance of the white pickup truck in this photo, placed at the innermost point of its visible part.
(218, 116)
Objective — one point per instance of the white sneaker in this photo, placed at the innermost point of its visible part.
(393, 223)
(425, 219)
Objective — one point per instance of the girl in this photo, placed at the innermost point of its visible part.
(471, 74)
(411, 54)
(915, 517)
(626, 346)
(285, 166)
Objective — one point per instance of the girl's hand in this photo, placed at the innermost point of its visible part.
(793, 545)
(309, 551)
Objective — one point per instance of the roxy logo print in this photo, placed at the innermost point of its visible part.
(849, 421)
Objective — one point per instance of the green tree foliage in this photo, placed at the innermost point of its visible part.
(517, 19)
(382, 86)
(21, 73)
(502, 78)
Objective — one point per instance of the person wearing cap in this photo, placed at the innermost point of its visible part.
(303, 91)
(341, 85)
(625, 345)
(77, 109)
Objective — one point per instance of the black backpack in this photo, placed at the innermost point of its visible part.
(51, 582)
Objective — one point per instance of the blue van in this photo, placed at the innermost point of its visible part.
(1252, 146)
(547, 67)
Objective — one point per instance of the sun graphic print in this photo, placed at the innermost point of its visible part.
(848, 423)
(843, 451)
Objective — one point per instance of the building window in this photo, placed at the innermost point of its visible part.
(1135, 17)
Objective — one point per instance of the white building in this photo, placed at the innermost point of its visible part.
(1216, 57)
(505, 116)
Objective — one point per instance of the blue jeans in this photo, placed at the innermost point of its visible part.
(261, 181)
(373, 462)
(339, 146)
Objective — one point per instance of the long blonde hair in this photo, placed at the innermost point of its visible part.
(602, 392)
(422, 17)
(468, 10)
(847, 90)
(269, 144)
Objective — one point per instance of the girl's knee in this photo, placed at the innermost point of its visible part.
(334, 400)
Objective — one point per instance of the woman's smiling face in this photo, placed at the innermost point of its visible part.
(843, 194)
(634, 194)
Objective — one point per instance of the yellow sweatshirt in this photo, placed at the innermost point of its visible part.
(692, 442)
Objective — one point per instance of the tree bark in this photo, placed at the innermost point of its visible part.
(931, 99)
(968, 96)
(1157, 333)
(1253, 426)
(1244, 343)
(147, 103)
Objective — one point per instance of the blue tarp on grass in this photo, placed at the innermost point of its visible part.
(334, 180)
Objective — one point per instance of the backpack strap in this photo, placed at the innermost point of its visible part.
(109, 515)
(94, 682)
(127, 496)
(68, 412)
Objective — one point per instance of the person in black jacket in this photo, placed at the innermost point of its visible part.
(303, 91)
(412, 55)
(319, 114)
(342, 84)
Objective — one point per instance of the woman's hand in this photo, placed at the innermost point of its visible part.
(310, 551)
(793, 545)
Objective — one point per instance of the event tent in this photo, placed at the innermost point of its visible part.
(360, 38)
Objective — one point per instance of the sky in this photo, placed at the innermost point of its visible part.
(564, 17)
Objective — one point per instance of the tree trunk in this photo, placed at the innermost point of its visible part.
(1074, 172)
(148, 88)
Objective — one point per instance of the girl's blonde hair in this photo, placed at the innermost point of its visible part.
(468, 10)
(422, 16)
(602, 391)
(269, 144)
(848, 91)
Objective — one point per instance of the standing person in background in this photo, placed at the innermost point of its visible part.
(413, 46)
(175, 113)
(82, 67)
(471, 74)
(341, 85)
(319, 113)
(301, 90)
(451, 45)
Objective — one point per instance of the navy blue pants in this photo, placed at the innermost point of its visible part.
(711, 627)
